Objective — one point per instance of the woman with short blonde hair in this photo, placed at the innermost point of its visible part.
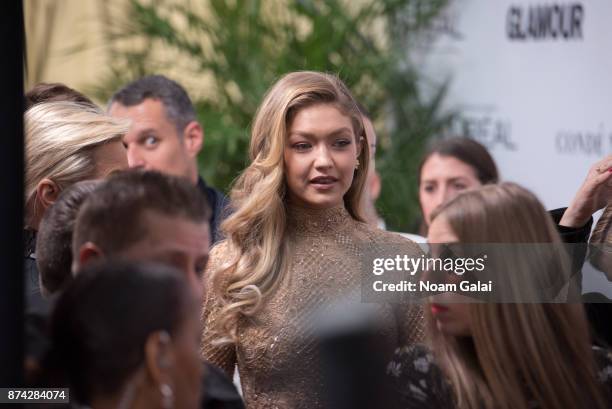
(293, 244)
(66, 142)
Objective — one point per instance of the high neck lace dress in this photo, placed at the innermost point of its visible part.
(276, 352)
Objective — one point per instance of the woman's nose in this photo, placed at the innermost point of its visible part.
(323, 158)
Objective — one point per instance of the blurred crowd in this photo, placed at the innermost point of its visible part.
(148, 288)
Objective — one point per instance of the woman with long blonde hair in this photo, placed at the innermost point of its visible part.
(293, 244)
(502, 355)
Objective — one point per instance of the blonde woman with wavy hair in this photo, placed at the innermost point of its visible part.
(293, 243)
(502, 355)
(66, 142)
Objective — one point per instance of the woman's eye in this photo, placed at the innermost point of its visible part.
(341, 143)
(301, 146)
(429, 188)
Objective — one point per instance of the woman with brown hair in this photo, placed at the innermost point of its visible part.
(294, 243)
(502, 355)
(449, 167)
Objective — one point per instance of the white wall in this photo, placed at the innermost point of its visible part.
(543, 105)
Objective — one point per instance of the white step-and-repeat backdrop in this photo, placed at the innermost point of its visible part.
(533, 80)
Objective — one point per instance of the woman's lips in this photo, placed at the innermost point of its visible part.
(323, 182)
(438, 309)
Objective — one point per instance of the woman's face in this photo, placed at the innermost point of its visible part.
(451, 315)
(188, 371)
(320, 156)
(442, 178)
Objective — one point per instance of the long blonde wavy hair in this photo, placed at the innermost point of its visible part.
(517, 353)
(255, 244)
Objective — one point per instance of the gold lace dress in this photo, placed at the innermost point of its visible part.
(276, 351)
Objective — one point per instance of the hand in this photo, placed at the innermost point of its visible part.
(594, 194)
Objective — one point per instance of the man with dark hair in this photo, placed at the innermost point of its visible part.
(165, 134)
(54, 249)
(52, 92)
(148, 216)
(145, 215)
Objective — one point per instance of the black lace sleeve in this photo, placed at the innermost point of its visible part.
(417, 381)
(603, 358)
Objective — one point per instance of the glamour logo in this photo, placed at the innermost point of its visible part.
(545, 22)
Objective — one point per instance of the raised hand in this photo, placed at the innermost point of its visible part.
(594, 194)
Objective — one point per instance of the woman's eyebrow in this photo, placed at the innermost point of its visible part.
(340, 131)
(457, 178)
(307, 134)
(302, 134)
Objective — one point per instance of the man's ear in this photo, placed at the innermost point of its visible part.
(374, 185)
(47, 192)
(193, 138)
(360, 143)
(158, 357)
(88, 252)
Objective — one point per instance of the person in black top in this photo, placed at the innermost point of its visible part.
(165, 135)
(599, 307)
(574, 225)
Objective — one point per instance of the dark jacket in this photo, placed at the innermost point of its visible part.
(597, 306)
(37, 308)
(577, 237)
(218, 203)
(219, 390)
